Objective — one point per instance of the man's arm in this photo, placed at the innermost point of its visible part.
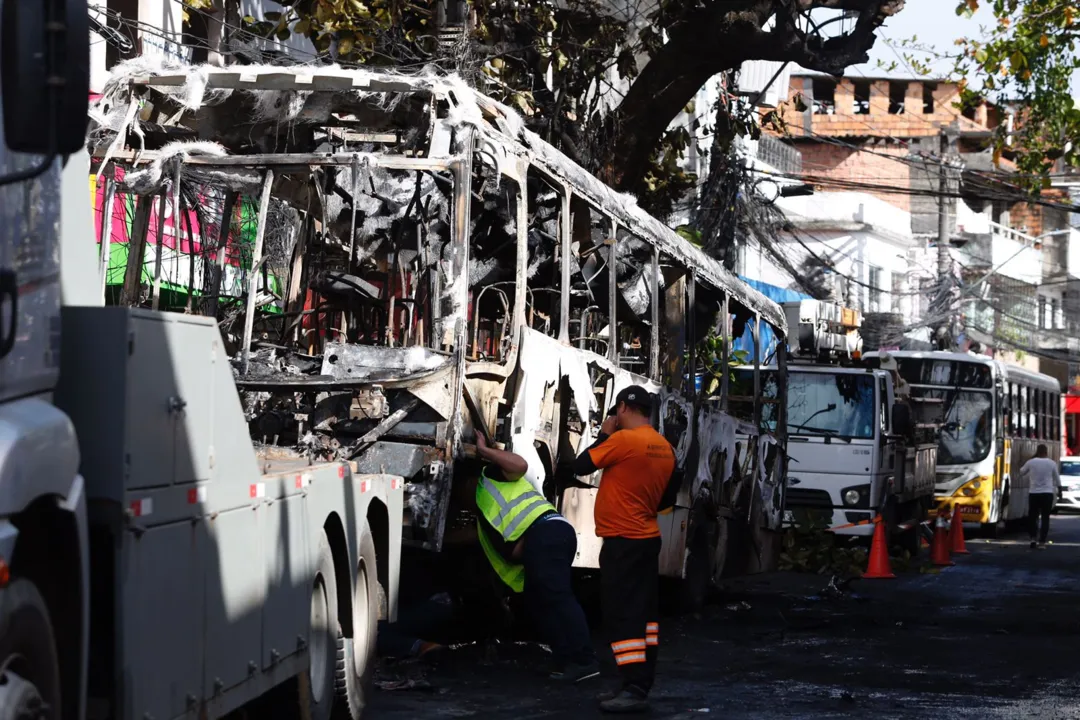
(583, 463)
(513, 466)
(671, 492)
(1057, 477)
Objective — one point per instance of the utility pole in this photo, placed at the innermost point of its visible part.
(945, 310)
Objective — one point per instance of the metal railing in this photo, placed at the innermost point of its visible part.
(1015, 235)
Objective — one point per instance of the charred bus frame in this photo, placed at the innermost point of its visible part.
(532, 294)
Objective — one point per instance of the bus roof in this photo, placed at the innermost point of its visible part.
(1006, 371)
(493, 120)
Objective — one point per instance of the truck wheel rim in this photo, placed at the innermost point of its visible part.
(320, 614)
(14, 688)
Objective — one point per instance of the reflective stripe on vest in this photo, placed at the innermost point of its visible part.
(511, 508)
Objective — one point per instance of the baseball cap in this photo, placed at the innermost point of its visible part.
(636, 396)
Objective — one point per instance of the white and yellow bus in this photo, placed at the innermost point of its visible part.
(994, 416)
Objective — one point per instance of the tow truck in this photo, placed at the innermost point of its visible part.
(856, 456)
(140, 526)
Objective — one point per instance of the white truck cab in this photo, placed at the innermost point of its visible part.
(854, 453)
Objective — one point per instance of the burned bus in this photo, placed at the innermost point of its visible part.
(396, 261)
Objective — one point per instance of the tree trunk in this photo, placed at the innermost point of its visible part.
(669, 82)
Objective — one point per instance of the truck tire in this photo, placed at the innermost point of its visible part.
(356, 656)
(908, 541)
(29, 666)
(323, 634)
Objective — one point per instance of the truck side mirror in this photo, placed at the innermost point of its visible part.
(902, 423)
(45, 61)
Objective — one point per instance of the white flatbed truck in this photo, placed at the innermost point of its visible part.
(154, 563)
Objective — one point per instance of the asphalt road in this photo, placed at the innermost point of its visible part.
(993, 637)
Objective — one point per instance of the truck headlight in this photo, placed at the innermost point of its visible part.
(851, 497)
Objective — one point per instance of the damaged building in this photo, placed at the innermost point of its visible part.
(396, 262)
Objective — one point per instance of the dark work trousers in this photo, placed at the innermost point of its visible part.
(629, 594)
(550, 546)
(416, 623)
(1039, 505)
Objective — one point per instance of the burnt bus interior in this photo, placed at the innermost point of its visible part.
(373, 250)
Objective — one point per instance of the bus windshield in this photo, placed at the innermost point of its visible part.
(967, 430)
(839, 405)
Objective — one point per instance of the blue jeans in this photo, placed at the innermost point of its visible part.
(550, 546)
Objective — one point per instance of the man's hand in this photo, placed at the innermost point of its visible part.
(483, 450)
(610, 425)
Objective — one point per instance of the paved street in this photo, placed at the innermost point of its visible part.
(994, 636)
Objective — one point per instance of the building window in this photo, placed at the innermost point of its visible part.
(897, 292)
(824, 96)
(1042, 313)
(1055, 321)
(875, 289)
(897, 96)
(928, 97)
(862, 97)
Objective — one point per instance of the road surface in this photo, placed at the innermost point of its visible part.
(993, 637)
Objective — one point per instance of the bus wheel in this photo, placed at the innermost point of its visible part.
(356, 656)
(29, 667)
(322, 639)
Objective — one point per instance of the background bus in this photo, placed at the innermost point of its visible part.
(993, 418)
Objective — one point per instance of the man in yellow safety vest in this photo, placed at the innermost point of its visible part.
(532, 547)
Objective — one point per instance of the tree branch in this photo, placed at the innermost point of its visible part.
(714, 39)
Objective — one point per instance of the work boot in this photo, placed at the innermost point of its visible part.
(574, 673)
(625, 703)
(1034, 545)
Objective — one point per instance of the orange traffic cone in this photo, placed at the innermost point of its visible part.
(939, 551)
(878, 568)
(956, 534)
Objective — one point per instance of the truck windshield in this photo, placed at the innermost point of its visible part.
(839, 405)
(967, 430)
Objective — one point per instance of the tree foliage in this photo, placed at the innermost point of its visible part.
(1028, 59)
(602, 80)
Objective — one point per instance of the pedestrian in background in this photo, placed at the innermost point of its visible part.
(638, 463)
(1043, 488)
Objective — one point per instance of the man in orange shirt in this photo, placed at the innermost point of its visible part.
(638, 463)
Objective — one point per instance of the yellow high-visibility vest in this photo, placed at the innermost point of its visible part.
(511, 508)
